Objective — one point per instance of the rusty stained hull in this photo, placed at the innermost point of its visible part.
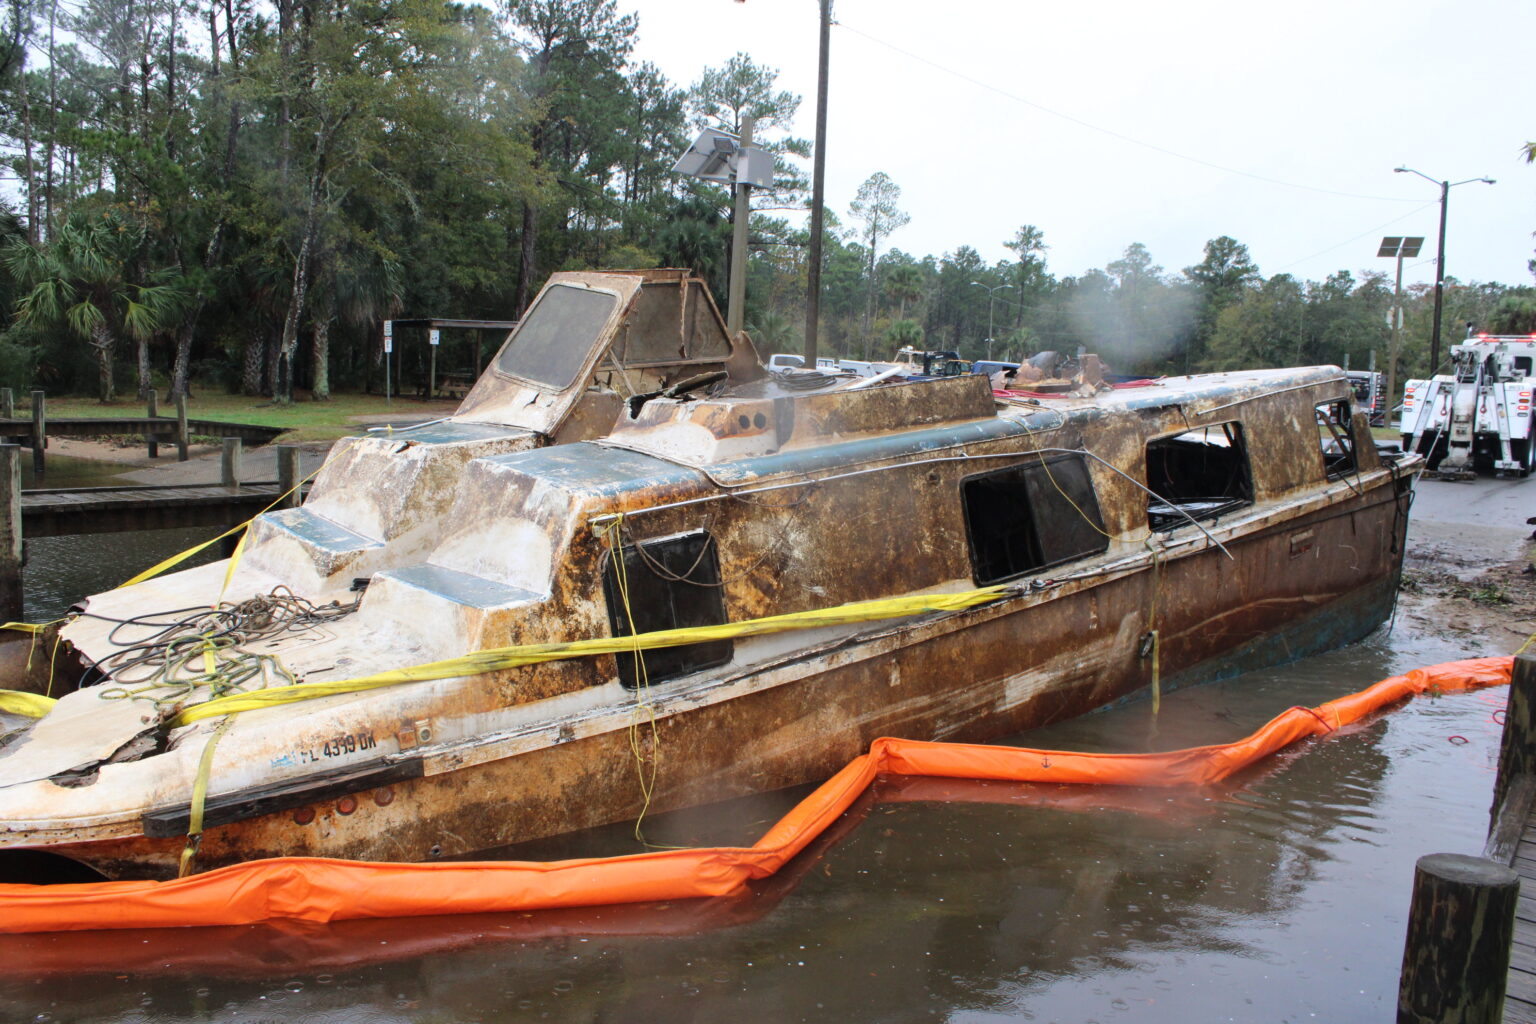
(1296, 587)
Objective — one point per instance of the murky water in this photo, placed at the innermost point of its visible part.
(1278, 896)
(61, 570)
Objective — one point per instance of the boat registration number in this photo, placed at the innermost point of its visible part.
(339, 745)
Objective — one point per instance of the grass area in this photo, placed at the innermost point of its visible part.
(306, 420)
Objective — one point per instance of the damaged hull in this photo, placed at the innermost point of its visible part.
(1170, 534)
(971, 677)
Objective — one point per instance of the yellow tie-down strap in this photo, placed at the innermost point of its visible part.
(32, 705)
(496, 658)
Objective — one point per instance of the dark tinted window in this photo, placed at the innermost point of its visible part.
(1030, 517)
(672, 583)
(1199, 474)
(553, 341)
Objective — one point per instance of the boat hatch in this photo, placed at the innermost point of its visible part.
(1199, 474)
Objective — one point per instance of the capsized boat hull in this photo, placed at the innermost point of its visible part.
(1302, 584)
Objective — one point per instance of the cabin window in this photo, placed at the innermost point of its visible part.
(553, 342)
(1030, 517)
(1199, 474)
(1333, 421)
(672, 583)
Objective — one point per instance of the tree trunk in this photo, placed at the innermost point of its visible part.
(102, 341)
(282, 387)
(320, 385)
(251, 366)
(525, 263)
(26, 144)
(145, 384)
(182, 363)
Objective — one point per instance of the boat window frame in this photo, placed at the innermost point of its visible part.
(1180, 512)
(1037, 474)
(1336, 416)
(666, 663)
(593, 353)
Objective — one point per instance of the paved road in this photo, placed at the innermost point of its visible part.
(1467, 525)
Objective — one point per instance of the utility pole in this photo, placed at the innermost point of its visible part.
(736, 311)
(1445, 195)
(1434, 338)
(818, 193)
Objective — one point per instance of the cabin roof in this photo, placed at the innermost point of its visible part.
(628, 461)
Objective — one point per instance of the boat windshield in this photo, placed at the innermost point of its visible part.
(551, 345)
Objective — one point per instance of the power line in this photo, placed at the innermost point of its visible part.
(1110, 132)
(1363, 234)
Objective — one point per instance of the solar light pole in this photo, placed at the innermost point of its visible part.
(730, 160)
(1401, 248)
(1445, 192)
(992, 291)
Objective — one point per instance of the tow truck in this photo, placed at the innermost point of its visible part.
(1479, 415)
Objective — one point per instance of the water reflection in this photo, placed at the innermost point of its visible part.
(1279, 895)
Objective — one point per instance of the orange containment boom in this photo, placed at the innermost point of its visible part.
(316, 889)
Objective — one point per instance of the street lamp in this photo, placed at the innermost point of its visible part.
(1445, 191)
(992, 291)
(1399, 248)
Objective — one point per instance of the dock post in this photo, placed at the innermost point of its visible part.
(10, 533)
(7, 404)
(181, 428)
(288, 475)
(1460, 926)
(152, 409)
(1514, 788)
(39, 430)
(229, 468)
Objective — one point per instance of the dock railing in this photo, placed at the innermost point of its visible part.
(154, 428)
(72, 511)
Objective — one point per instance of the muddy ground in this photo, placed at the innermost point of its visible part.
(1470, 570)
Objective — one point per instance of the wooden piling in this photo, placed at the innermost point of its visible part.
(288, 475)
(229, 467)
(152, 410)
(1456, 956)
(39, 431)
(10, 533)
(181, 429)
(1514, 788)
(7, 404)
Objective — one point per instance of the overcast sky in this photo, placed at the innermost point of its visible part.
(1166, 124)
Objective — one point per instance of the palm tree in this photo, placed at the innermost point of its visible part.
(82, 280)
(771, 332)
(904, 332)
(360, 282)
(904, 283)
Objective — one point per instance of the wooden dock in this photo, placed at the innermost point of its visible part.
(1520, 991)
(1470, 951)
(65, 511)
(32, 432)
(1512, 835)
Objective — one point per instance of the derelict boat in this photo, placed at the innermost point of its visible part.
(988, 563)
